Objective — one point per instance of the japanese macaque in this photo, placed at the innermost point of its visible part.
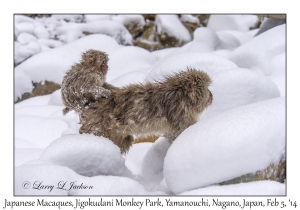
(83, 82)
(161, 108)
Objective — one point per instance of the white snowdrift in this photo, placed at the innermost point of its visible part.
(153, 164)
(231, 144)
(86, 154)
(40, 131)
(231, 22)
(257, 53)
(267, 188)
(135, 156)
(73, 31)
(207, 62)
(278, 69)
(171, 25)
(129, 59)
(238, 87)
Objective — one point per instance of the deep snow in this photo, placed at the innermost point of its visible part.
(241, 132)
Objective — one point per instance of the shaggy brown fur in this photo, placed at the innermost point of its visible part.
(83, 83)
(166, 108)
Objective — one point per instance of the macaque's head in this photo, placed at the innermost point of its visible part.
(190, 87)
(95, 59)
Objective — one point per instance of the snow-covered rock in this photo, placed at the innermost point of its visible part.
(111, 185)
(231, 144)
(129, 59)
(72, 31)
(26, 154)
(153, 163)
(42, 179)
(135, 156)
(238, 87)
(39, 130)
(231, 22)
(38, 110)
(278, 69)
(267, 188)
(55, 98)
(129, 78)
(171, 25)
(86, 154)
(257, 53)
(207, 62)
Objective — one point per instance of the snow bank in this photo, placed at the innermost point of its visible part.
(41, 178)
(41, 111)
(257, 53)
(35, 101)
(153, 164)
(91, 18)
(26, 154)
(55, 98)
(268, 188)
(40, 131)
(130, 19)
(129, 59)
(207, 62)
(86, 154)
(111, 185)
(52, 65)
(278, 69)
(135, 156)
(129, 78)
(73, 31)
(231, 22)
(171, 25)
(238, 87)
(31, 176)
(234, 143)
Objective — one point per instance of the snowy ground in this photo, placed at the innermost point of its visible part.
(243, 131)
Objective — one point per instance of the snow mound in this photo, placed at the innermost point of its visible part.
(21, 143)
(268, 188)
(73, 31)
(39, 130)
(91, 18)
(129, 59)
(41, 111)
(111, 185)
(238, 87)
(129, 78)
(153, 164)
(55, 98)
(171, 25)
(243, 37)
(135, 156)
(231, 144)
(130, 19)
(50, 66)
(86, 154)
(278, 69)
(35, 101)
(231, 22)
(257, 53)
(36, 179)
(207, 62)
(26, 154)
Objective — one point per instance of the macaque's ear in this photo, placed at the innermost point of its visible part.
(189, 86)
(90, 61)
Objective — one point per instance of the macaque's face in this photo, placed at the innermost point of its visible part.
(104, 67)
(210, 98)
